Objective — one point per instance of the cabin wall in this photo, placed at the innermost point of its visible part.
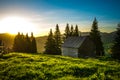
(73, 52)
(87, 49)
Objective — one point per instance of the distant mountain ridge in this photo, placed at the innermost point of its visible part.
(106, 37)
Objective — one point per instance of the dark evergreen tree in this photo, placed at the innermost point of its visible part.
(67, 31)
(96, 37)
(33, 44)
(16, 44)
(50, 46)
(22, 41)
(72, 31)
(58, 41)
(116, 46)
(76, 31)
(27, 44)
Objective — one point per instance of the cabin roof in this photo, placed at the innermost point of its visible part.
(74, 42)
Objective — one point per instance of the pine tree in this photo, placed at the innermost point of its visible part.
(72, 31)
(116, 46)
(76, 31)
(67, 31)
(50, 46)
(27, 44)
(96, 37)
(58, 41)
(22, 41)
(33, 44)
(16, 43)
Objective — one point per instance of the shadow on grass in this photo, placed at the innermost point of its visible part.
(6, 56)
(83, 72)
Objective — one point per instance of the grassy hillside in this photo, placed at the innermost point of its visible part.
(19, 66)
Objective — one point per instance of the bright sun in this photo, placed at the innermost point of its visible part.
(15, 24)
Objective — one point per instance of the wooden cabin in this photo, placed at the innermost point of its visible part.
(81, 46)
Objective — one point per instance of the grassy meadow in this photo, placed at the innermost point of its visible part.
(24, 66)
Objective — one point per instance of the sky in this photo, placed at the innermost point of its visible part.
(45, 14)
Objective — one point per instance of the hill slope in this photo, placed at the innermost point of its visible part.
(19, 66)
(7, 40)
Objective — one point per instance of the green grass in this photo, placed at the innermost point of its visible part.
(23, 66)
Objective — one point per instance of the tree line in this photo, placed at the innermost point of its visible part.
(54, 41)
(53, 44)
(70, 31)
(24, 43)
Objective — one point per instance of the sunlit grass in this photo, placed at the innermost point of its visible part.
(23, 66)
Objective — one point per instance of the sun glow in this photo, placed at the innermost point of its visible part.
(15, 24)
